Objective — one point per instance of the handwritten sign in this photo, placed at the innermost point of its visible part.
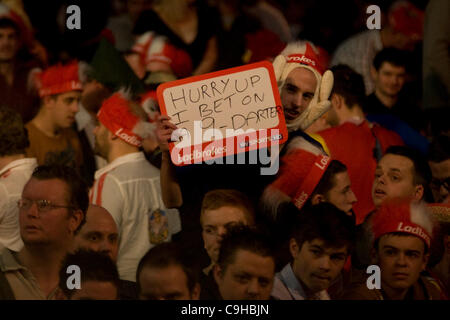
(225, 112)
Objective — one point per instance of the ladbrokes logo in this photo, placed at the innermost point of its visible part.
(301, 199)
(130, 139)
(301, 59)
(414, 230)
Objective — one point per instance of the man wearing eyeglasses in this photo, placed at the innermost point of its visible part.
(51, 211)
(15, 170)
(439, 161)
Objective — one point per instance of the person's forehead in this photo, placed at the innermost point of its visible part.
(302, 78)
(394, 161)
(318, 242)
(341, 180)
(223, 215)
(7, 31)
(70, 94)
(100, 220)
(169, 278)
(402, 242)
(50, 189)
(252, 263)
(388, 66)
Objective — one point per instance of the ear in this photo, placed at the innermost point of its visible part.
(293, 248)
(48, 101)
(425, 260)
(374, 256)
(217, 272)
(195, 294)
(111, 136)
(317, 198)
(418, 192)
(373, 73)
(335, 101)
(75, 220)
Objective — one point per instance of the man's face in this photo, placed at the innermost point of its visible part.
(99, 233)
(102, 144)
(393, 178)
(297, 92)
(95, 290)
(248, 277)
(9, 44)
(341, 195)
(389, 79)
(168, 283)
(440, 184)
(401, 259)
(317, 265)
(64, 108)
(215, 224)
(50, 226)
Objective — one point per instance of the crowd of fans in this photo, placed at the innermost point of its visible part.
(87, 179)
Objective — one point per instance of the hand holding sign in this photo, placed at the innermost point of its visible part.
(224, 106)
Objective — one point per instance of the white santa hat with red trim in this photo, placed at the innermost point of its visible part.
(116, 114)
(404, 216)
(303, 54)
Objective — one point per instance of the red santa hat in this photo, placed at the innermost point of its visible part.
(58, 79)
(117, 116)
(405, 216)
(300, 173)
(406, 18)
(155, 48)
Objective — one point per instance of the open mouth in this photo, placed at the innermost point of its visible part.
(291, 114)
(379, 193)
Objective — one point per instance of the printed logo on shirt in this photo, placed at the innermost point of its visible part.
(158, 226)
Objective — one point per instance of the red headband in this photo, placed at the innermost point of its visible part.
(309, 58)
(116, 116)
(312, 179)
(59, 79)
(395, 216)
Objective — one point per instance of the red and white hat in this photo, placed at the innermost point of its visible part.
(405, 216)
(59, 79)
(156, 48)
(300, 173)
(117, 116)
(304, 54)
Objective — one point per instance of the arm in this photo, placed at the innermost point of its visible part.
(170, 188)
(209, 58)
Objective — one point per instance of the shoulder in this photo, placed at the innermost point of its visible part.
(279, 290)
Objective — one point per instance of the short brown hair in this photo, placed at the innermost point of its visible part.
(219, 198)
(13, 134)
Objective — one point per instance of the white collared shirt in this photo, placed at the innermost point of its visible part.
(287, 287)
(13, 178)
(129, 188)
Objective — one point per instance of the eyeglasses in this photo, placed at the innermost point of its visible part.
(42, 205)
(436, 184)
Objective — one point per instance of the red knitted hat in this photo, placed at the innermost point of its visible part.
(59, 79)
(116, 115)
(300, 173)
(403, 215)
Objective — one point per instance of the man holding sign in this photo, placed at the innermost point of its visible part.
(304, 93)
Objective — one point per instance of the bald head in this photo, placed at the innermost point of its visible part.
(99, 233)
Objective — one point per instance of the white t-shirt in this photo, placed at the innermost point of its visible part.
(129, 188)
(13, 178)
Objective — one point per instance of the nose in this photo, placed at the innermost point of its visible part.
(253, 288)
(76, 106)
(221, 232)
(401, 260)
(352, 198)
(299, 102)
(33, 211)
(325, 263)
(105, 247)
